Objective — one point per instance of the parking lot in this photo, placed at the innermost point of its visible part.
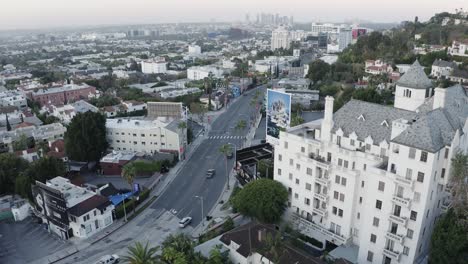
(25, 241)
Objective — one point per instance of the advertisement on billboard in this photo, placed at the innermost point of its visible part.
(278, 114)
(51, 204)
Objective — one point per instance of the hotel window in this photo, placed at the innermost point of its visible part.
(298, 166)
(412, 153)
(285, 144)
(340, 212)
(405, 251)
(446, 153)
(409, 174)
(337, 179)
(370, 256)
(423, 157)
(375, 222)
(280, 157)
(336, 195)
(307, 201)
(309, 171)
(297, 181)
(340, 162)
(342, 197)
(409, 233)
(290, 176)
(346, 164)
(279, 171)
(334, 210)
(360, 200)
(378, 204)
(442, 174)
(329, 156)
(413, 215)
(420, 177)
(308, 186)
(291, 162)
(352, 142)
(373, 238)
(343, 181)
(302, 149)
(381, 186)
(296, 196)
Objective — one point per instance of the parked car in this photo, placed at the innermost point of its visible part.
(185, 221)
(210, 173)
(109, 259)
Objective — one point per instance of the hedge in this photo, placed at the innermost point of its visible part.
(119, 210)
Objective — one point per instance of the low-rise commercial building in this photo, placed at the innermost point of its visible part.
(63, 95)
(202, 72)
(147, 136)
(158, 65)
(69, 210)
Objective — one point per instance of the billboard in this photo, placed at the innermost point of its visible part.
(278, 114)
(52, 204)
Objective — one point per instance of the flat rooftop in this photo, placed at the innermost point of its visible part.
(72, 193)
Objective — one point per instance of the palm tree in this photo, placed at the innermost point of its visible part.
(139, 254)
(226, 150)
(273, 248)
(458, 182)
(208, 81)
(129, 172)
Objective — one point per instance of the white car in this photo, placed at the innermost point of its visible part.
(109, 259)
(185, 221)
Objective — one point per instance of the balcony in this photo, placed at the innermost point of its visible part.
(391, 254)
(321, 212)
(323, 181)
(403, 181)
(320, 161)
(398, 238)
(312, 229)
(445, 206)
(398, 219)
(401, 201)
(321, 197)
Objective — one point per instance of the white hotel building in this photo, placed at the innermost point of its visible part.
(147, 136)
(372, 178)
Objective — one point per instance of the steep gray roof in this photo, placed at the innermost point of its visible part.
(434, 129)
(442, 63)
(348, 119)
(415, 78)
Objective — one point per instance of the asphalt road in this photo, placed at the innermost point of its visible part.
(157, 221)
(191, 180)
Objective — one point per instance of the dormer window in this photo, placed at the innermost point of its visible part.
(384, 123)
(361, 117)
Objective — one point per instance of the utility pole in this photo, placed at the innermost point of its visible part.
(125, 212)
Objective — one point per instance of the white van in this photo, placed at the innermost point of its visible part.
(109, 259)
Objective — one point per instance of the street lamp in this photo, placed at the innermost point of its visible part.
(201, 199)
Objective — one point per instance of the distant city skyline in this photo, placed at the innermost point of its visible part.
(32, 14)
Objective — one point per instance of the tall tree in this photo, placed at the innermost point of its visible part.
(85, 139)
(10, 168)
(449, 241)
(318, 71)
(226, 150)
(129, 172)
(139, 254)
(8, 126)
(459, 184)
(45, 169)
(263, 199)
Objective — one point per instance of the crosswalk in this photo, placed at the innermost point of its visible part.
(226, 137)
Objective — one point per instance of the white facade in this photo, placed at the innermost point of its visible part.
(13, 98)
(132, 106)
(194, 50)
(324, 28)
(364, 176)
(153, 66)
(202, 72)
(459, 48)
(280, 38)
(148, 136)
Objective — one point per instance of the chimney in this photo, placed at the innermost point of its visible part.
(439, 98)
(261, 234)
(327, 123)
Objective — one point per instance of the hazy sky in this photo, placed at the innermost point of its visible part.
(21, 14)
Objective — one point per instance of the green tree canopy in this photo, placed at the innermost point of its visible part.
(263, 199)
(449, 242)
(10, 168)
(318, 71)
(85, 139)
(139, 254)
